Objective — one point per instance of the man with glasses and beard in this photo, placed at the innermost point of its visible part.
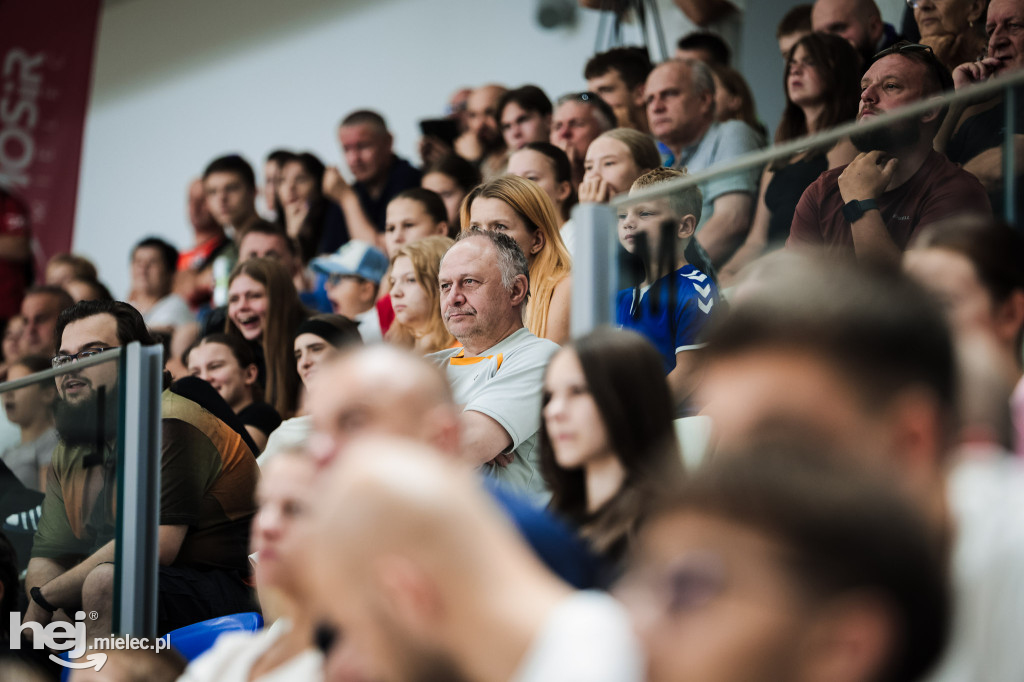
(897, 184)
(208, 480)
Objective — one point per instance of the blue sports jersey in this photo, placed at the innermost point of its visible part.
(671, 331)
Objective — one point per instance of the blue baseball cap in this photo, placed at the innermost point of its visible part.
(355, 258)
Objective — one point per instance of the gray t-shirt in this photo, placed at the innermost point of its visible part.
(723, 142)
(505, 383)
(25, 460)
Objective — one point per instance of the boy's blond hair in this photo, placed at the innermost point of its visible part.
(683, 202)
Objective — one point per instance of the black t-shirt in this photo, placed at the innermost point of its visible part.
(260, 415)
(784, 191)
(401, 176)
(982, 132)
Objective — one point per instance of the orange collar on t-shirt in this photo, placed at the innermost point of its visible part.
(461, 359)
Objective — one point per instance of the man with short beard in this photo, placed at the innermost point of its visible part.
(208, 479)
(897, 184)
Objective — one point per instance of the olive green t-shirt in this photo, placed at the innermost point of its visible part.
(207, 482)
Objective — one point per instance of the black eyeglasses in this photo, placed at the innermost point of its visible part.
(902, 47)
(65, 359)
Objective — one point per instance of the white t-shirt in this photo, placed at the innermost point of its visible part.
(291, 433)
(986, 497)
(369, 326)
(587, 638)
(234, 654)
(568, 234)
(505, 383)
(169, 311)
(10, 433)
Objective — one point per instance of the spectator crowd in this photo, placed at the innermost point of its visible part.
(795, 455)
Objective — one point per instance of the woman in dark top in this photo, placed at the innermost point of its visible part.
(608, 447)
(309, 217)
(227, 363)
(822, 85)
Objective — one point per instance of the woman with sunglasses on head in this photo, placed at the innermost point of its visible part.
(822, 86)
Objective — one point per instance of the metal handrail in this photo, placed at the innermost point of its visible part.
(74, 366)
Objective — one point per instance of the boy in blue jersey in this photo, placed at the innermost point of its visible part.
(669, 307)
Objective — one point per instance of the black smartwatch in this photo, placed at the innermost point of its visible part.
(855, 210)
(37, 596)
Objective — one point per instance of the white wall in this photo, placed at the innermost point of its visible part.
(178, 83)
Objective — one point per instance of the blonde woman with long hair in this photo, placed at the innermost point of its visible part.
(522, 210)
(415, 294)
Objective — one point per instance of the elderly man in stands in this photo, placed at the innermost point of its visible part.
(379, 174)
(858, 21)
(875, 205)
(578, 120)
(977, 144)
(497, 373)
(208, 481)
(680, 99)
(879, 348)
(425, 580)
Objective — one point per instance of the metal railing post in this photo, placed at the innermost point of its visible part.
(593, 271)
(1009, 160)
(138, 491)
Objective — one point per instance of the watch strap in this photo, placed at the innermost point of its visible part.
(855, 210)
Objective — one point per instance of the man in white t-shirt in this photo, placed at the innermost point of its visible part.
(498, 372)
(427, 580)
(860, 361)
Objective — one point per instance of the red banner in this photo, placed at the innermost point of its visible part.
(46, 53)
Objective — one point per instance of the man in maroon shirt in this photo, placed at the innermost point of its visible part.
(874, 206)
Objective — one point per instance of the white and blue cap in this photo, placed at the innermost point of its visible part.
(356, 258)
